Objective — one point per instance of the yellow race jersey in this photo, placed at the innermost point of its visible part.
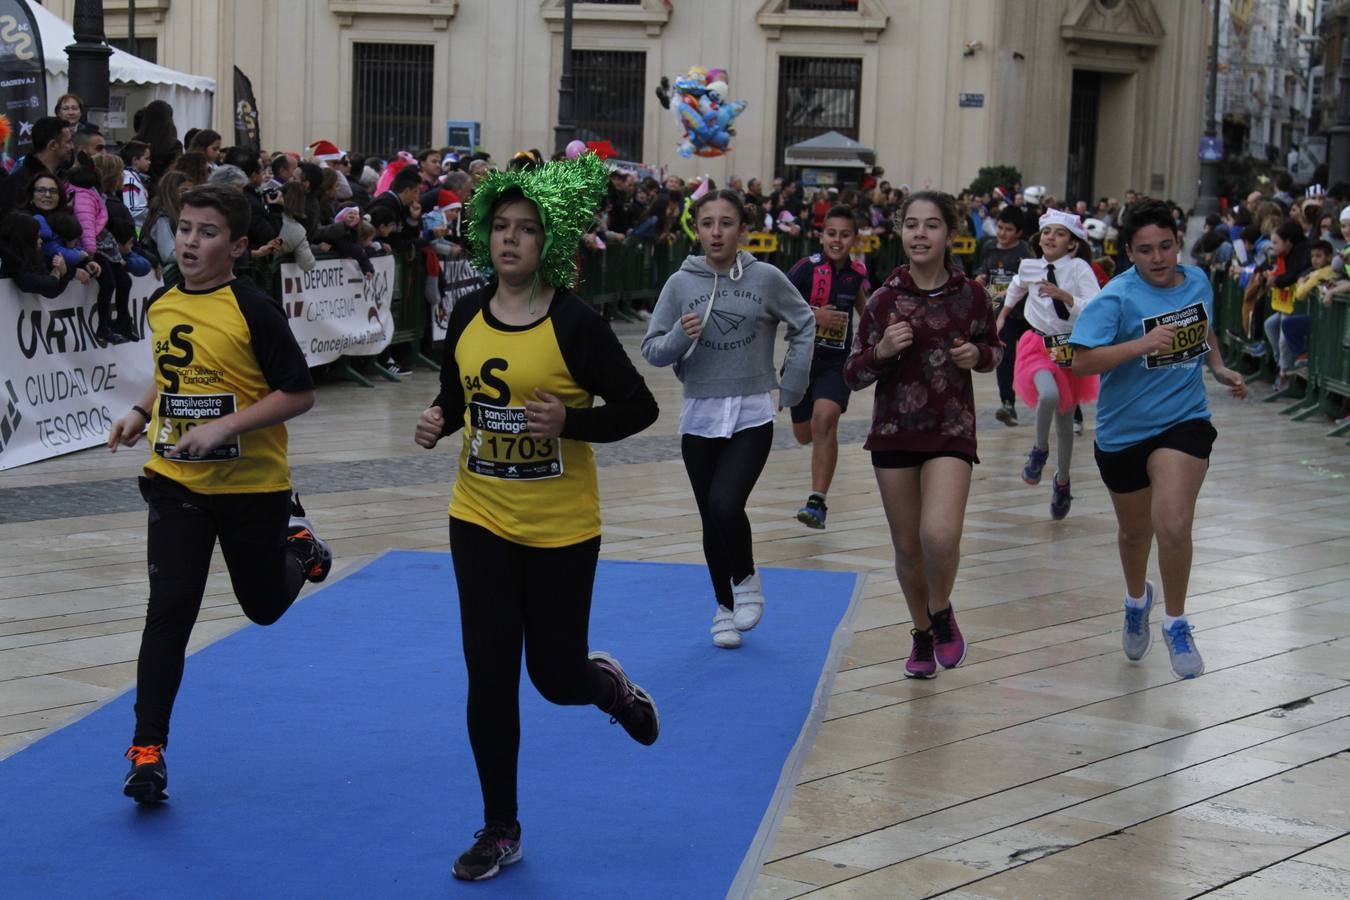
(217, 352)
(540, 492)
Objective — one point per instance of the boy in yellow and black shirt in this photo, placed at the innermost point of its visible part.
(228, 373)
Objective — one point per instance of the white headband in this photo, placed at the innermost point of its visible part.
(1068, 221)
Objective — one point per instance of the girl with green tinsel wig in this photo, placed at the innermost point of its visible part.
(524, 359)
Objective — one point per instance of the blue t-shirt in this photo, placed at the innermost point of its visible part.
(1143, 397)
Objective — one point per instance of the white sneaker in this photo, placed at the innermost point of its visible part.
(749, 602)
(724, 630)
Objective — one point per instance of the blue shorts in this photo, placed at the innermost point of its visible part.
(827, 383)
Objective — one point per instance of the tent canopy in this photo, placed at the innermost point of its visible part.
(57, 34)
(189, 95)
(830, 150)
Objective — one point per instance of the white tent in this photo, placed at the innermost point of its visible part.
(141, 81)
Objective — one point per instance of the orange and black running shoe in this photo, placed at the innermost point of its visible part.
(314, 554)
(148, 780)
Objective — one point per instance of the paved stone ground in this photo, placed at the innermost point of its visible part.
(1046, 765)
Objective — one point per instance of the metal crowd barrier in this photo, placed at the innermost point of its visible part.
(1323, 386)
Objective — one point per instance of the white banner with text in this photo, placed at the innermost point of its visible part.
(336, 311)
(59, 389)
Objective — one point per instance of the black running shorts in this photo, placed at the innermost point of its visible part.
(1126, 471)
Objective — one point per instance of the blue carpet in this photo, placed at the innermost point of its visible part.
(326, 756)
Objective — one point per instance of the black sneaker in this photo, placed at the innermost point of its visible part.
(125, 327)
(314, 555)
(494, 846)
(1007, 414)
(148, 780)
(634, 710)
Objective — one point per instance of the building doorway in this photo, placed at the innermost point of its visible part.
(1085, 106)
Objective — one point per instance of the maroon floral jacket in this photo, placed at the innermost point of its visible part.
(924, 402)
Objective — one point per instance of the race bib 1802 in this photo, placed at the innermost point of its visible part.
(178, 413)
(1191, 342)
(500, 445)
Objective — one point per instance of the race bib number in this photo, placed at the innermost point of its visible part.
(832, 337)
(1282, 300)
(500, 445)
(1192, 325)
(180, 413)
(998, 288)
(1061, 351)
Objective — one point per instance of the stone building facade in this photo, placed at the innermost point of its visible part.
(1088, 97)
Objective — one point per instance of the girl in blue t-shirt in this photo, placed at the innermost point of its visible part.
(1146, 333)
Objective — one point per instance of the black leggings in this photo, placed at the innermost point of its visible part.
(723, 472)
(509, 594)
(182, 533)
(114, 281)
(1013, 328)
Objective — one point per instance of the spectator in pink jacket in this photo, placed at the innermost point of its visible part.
(85, 188)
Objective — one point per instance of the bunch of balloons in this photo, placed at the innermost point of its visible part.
(699, 103)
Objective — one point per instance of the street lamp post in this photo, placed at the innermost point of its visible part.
(1208, 201)
(88, 58)
(566, 130)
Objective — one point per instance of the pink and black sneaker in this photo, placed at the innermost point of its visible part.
(949, 646)
(921, 663)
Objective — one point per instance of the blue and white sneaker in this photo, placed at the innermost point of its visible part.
(1186, 661)
(1031, 472)
(1137, 639)
(812, 515)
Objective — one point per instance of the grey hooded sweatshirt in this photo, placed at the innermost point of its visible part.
(734, 356)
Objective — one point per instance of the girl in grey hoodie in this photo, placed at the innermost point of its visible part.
(715, 322)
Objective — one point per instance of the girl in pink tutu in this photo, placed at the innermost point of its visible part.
(1055, 287)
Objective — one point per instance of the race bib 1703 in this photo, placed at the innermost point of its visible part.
(1191, 342)
(500, 445)
(1061, 351)
(179, 413)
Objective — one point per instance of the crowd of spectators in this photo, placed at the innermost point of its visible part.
(76, 208)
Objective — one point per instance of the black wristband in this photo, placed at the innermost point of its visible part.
(144, 415)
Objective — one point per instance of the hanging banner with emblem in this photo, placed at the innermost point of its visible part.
(247, 132)
(23, 78)
(60, 391)
(1191, 341)
(336, 311)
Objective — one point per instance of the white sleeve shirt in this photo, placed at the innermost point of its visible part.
(1073, 275)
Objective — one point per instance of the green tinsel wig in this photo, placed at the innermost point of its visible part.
(566, 192)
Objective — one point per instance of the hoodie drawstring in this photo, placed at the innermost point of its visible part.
(737, 270)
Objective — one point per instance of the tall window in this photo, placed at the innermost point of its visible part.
(147, 48)
(610, 98)
(391, 97)
(816, 95)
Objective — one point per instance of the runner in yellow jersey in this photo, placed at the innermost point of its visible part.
(524, 358)
(228, 373)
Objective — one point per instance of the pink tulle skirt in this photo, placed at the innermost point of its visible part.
(1032, 357)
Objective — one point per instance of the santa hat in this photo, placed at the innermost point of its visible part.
(325, 151)
(1068, 221)
(402, 161)
(446, 200)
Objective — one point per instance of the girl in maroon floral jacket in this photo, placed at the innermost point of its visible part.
(917, 340)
